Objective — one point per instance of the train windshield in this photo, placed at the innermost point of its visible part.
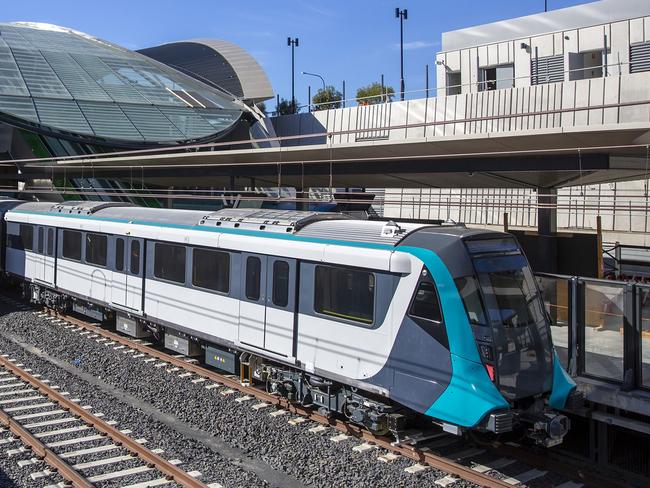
(508, 301)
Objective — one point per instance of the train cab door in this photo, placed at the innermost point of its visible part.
(280, 305)
(127, 277)
(252, 307)
(266, 311)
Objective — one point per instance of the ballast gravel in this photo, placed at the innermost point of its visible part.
(305, 458)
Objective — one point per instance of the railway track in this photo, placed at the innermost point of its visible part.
(34, 413)
(421, 450)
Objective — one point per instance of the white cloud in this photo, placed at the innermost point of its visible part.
(416, 45)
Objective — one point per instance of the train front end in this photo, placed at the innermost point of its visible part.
(519, 382)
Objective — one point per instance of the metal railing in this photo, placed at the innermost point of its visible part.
(600, 328)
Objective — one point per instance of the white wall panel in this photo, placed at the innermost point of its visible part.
(483, 58)
(453, 60)
(591, 38)
(542, 45)
(493, 55)
(620, 49)
(636, 30)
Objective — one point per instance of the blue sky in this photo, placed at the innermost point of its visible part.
(354, 40)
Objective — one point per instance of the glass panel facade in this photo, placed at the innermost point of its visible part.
(555, 293)
(604, 321)
(644, 305)
(68, 81)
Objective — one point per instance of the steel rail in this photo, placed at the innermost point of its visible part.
(42, 452)
(171, 471)
(419, 455)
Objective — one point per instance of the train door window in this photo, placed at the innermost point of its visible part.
(280, 294)
(50, 242)
(72, 245)
(425, 303)
(27, 237)
(41, 238)
(96, 247)
(119, 254)
(169, 262)
(345, 293)
(135, 258)
(211, 270)
(253, 277)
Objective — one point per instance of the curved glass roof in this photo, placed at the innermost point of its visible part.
(65, 81)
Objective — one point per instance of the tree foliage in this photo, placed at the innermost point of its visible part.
(373, 93)
(326, 98)
(286, 107)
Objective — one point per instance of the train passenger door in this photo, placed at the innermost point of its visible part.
(266, 311)
(280, 305)
(49, 257)
(252, 308)
(39, 254)
(127, 278)
(44, 255)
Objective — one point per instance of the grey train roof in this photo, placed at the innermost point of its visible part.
(63, 82)
(319, 225)
(223, 63)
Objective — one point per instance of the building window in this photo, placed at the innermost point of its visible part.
(119, 254)
(586, 65)
(27, 237)
(497, 77)
(345, 294)
(548, 69)
(425, 303)
(96, 245)
(280, 283)
(211, 270)
(453, 86)
(253, 276)
(169, 262)
(50, 242)
(135, 258)
(72, 245)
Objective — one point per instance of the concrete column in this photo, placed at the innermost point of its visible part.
(547, 217)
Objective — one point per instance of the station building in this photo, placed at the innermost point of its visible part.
(66, 93)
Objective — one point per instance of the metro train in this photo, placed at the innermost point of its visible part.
(378, 321)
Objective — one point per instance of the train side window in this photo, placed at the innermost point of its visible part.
(425, 303)
(169, 262)
(41, 238)
(345, 293)
(27, 236)
(211, 270)
(96, 246)
(72, 245)
(280, 283)
(119, 254)
(253, 277)
(50, 242)
(135, 258)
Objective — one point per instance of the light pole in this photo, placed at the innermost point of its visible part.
(316, 75)
(402, 15)
(293, 43)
